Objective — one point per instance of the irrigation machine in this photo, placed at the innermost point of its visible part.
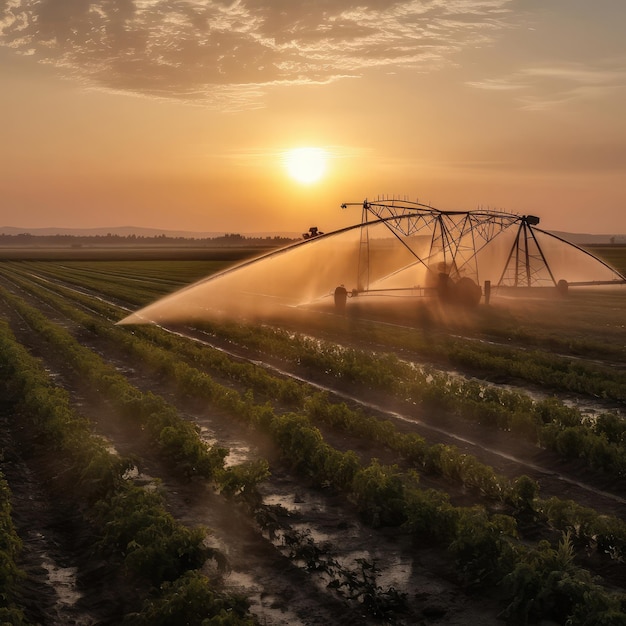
(461, 256)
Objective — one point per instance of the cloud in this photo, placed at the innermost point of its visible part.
(210, 50)
(546, 87)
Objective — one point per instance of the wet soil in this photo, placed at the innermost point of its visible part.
(69, 582)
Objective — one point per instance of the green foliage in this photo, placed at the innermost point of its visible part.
(581, 442)
(10, 548)
(134, 522)
(523, 494)
(361, 585)
(102, 472)
(430, 516)
(605, 534)
(547, 421)
(483, 546)
(190, 600)
(612, 426)
(177, 437)
(298, 440)
(12, 616)
(379, 495)
(241, 481)
(153, 544)
(547, 584)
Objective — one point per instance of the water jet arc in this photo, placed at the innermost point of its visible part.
(400, 251)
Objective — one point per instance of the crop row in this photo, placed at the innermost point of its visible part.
(136, 284)
(235, 482)
(163, 353)
(539, 365)
(133, 523)
(442, 460)
(536, 366)
(549, 423)
(549, 370)
(601, 442)
(10, 547)
(481, 542)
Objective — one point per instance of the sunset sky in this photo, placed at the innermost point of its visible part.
(178, 114)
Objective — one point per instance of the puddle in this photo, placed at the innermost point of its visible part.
(63, 579)
(296, 502)
(239, 451)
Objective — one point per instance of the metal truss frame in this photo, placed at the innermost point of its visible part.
(456, 239)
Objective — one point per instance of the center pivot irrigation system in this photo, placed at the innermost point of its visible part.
(399, 251)
(451, 254)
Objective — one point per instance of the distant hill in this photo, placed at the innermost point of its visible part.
(120, 231)
(126, 231)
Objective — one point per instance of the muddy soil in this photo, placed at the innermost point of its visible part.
(69, 584)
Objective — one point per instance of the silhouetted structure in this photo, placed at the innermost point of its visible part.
(313, 232)
(399, 251)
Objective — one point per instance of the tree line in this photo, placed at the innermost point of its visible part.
(228, 239)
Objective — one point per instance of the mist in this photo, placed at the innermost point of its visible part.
(445, 257)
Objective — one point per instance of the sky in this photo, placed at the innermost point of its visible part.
(181, 114)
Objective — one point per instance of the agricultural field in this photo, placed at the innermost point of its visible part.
(393, 465)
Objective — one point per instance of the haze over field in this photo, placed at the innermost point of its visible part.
(188, 115)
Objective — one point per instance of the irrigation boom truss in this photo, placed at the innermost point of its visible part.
(454, 244)
(400, 251)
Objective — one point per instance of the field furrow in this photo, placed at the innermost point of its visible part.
(394, 488)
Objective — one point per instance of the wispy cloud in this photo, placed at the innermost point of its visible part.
(209, 50)
(549, 86)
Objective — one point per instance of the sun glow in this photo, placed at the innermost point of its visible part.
(306, 165)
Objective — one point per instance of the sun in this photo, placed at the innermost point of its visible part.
(306, 165)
